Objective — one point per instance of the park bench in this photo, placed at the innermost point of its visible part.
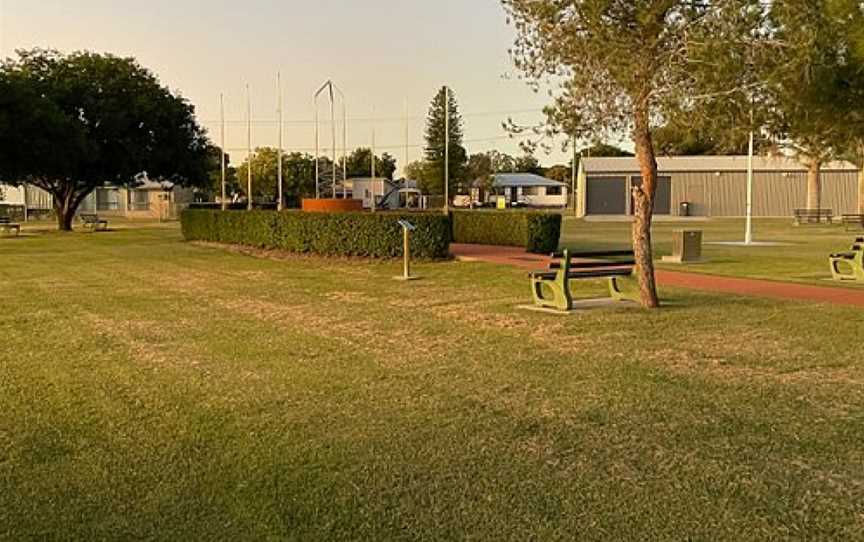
(813, 216)
(7, 226)
(551, 289)
(93, 222)
(849, 266)
(853, 221)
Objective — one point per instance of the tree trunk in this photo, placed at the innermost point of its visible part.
(814, 184)
(65, 215)
(643, 205)
(65, 205)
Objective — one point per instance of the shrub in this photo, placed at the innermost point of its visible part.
(373, 235)
(535, 231)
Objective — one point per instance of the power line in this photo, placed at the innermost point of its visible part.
(304, 122)
(392, 146)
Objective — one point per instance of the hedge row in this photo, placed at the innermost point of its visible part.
(373, 235)
(535, 231)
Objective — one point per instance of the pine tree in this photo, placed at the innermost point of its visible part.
(433, 178)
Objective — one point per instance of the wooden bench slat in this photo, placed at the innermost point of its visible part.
(590, 265)
(601, 254)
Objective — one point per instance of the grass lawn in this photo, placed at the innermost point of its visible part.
(155, 389)
(804, 259)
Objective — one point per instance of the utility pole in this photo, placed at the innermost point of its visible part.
(279, 204)
(446, 150)
(222, 150)
(248, 149)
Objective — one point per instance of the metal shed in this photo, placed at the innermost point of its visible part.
(714, 186)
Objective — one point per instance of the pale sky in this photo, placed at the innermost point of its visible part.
(380, 52)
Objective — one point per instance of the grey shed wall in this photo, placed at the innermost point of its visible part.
(775, 193)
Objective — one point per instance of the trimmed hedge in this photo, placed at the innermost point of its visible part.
(372, 235)
(535, 231)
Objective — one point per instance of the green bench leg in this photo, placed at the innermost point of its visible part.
(855, 267)
(618, 294)
(560, 298)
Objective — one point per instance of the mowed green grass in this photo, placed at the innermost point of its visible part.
(803, 258)
(155, 389)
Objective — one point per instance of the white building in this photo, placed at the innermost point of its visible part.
(14, 200)
(388, 194)
(526, 188)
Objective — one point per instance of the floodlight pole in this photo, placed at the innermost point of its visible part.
(748, 234)
(446, 150)
(248, 149)
(279, 204)
(222, 149)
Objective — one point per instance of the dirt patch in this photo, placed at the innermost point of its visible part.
(146, 340)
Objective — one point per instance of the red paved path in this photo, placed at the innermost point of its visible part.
(517, 257)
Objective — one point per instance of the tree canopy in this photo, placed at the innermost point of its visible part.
(359, 164)
(72, 123)
(298, 175)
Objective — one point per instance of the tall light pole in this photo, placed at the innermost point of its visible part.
(446, 150)
(248, 149)
(222, 149)
(279, 204)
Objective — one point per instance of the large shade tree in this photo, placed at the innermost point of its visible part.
(620, 66)
(72, 123)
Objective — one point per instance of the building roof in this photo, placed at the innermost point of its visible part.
(673, 164)
(506, 180)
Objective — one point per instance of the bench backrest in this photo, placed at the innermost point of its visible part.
(607, 259)
(89, 217)
(814, 212)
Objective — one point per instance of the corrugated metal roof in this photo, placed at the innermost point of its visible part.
(673, 164)
(505, 180)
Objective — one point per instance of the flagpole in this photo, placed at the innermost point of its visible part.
(248, 149)
(279, 204)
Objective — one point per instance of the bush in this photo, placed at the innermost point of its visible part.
(373, 235)
(535, 231)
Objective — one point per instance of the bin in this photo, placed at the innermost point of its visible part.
(686, 247)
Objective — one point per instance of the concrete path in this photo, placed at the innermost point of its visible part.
(517, 257)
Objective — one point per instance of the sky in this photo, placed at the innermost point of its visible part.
(381, 53)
